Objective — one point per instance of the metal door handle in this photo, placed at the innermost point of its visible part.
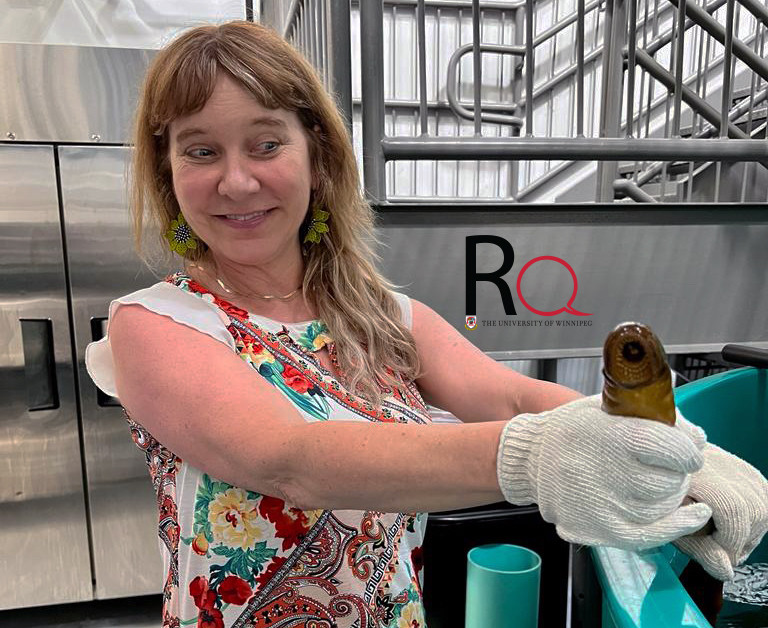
(39, 364)
(98, 331)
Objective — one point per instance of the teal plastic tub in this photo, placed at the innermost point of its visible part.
(642, 589)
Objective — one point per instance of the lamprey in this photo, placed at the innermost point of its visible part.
(638, 382)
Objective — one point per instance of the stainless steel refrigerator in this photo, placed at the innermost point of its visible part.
(77, 511)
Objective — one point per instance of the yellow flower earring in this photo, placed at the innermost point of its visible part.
(318, 226)
(180, 236)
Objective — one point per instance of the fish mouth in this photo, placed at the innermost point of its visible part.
(633, 357)
(633, 351)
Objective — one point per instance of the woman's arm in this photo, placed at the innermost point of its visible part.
(214, 411)
(461, 379)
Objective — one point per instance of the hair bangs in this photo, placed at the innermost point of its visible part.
(255, 72)
(185, 92)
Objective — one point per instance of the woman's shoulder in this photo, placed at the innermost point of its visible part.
(151, 309)
(174, 296)
(172, 299)
(170, 288)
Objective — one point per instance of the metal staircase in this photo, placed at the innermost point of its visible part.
(464, 101)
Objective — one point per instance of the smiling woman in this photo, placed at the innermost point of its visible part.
(243, 178)
(277, 385)
(236, 136)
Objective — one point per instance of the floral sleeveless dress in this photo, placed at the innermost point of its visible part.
(236, 558)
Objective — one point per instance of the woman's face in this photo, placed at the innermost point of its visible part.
(242, 176)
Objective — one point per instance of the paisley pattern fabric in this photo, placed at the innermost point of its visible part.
(236, 558)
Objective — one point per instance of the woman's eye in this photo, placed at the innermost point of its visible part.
(200, 153)
(269, 146)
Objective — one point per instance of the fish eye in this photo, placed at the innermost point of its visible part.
(633, 351)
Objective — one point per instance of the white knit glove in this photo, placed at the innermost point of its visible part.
(602, 479)
(737, 493)
(694, 432)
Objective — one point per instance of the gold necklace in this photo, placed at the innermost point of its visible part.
(265, 297)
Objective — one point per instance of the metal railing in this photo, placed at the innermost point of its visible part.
(321, 30)
(667, 108)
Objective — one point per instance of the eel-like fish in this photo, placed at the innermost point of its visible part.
(637, 378)
(638, 382)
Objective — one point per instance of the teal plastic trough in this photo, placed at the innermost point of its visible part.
(642, 589)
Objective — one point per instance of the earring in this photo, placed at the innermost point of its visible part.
(318, 225)
(180, 236)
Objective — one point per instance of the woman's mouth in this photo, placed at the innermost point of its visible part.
(245, 220)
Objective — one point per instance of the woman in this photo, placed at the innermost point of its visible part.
(278, 384)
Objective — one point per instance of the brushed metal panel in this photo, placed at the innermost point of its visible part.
(123, 23)
(43, 529)
(694, 284)
(103, 266)
(69, 93)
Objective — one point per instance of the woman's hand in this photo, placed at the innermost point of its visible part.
(737, 493)
(602, 479)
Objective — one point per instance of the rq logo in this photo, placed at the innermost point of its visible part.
(495, 277)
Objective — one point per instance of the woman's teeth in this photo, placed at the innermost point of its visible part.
(245, 216)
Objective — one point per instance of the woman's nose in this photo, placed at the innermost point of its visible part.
(238, 178)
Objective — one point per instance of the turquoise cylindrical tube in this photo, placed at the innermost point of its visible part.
(502, 587)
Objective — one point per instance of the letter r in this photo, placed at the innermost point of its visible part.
(495, 277)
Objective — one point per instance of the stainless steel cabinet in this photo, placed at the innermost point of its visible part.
(77, 510)
(102, 266)
(44, 554)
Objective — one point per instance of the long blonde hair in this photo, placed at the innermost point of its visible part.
(374, 348)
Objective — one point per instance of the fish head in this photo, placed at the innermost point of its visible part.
(633, 356)
(638, 381)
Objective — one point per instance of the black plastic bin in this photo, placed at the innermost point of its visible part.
(450, 535)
